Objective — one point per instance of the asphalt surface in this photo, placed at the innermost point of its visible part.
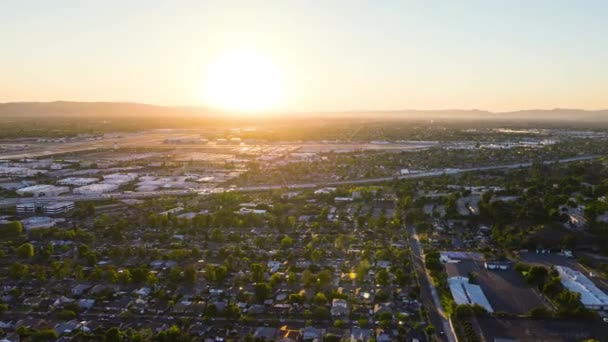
(428, 292)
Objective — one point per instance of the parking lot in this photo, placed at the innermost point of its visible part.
(556, 259)
(505, 289)
(541, 330)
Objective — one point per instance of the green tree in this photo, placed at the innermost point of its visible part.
(286, 242)
(26, 250)
(362, 269)
(113, 335)
(11, 229)
(261, 291)
(537, 275)
(190, 274)
(316, 255)
(331, 338)
(324, 278)
(275, 280)
(45, 335)
(257, 272)
(539, 312)
(308, 278)
(320, 298)
(382, 277)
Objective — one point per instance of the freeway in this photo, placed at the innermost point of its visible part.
(7, 202)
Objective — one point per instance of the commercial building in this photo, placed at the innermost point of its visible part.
(58, 208)
(43, 190)
(467, 293)
(19, 171)
(245, 211)
(343, 199)
(324, 191)
(591, 296)
(94, 189)
(25, 208)
(119, 178)
(16, 185)
(38, 222)
(497, 265)
(77, 181)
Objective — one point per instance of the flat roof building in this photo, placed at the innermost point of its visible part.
(94, 189)
(591, 296)
(25, 208)
(43, 190)
(119, 178)
(77, 181)
(18, 171)
(38, 222)
(467, 293)
(58, 208)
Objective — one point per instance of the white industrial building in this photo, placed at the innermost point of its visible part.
(77, 181)
(467, 293)
(324, 191)
(16, 185)
(245, 211)
(38, 222)
(58, 208)
(497, 265)
(43, 190)
(119, 178)
(94, 189)
(343, 199)
(25, 208)
(149, 183)
(591, 296)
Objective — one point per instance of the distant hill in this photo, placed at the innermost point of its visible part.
(137, 110)
(97, 109)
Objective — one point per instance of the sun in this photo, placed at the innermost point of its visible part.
(243, 80)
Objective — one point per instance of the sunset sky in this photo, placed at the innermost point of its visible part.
(308, 55)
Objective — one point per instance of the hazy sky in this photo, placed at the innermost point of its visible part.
(333, 55)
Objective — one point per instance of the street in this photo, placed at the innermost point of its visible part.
(428, 292)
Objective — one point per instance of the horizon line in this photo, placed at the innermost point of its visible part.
(270, 112)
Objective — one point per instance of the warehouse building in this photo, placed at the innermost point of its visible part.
(591, 296)
(43, 190)
(94, 189)
(77, 181)
(467, 293)
(38, 222)
(497, 265)
(119, 178)
(18, 171)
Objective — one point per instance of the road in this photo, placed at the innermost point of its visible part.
(8, 202)
(156, 140)
(428, 292)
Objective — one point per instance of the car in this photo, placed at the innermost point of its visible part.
(605, 319)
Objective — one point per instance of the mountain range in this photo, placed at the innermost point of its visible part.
(138, 110)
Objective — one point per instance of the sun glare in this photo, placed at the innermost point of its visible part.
(244, 81)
